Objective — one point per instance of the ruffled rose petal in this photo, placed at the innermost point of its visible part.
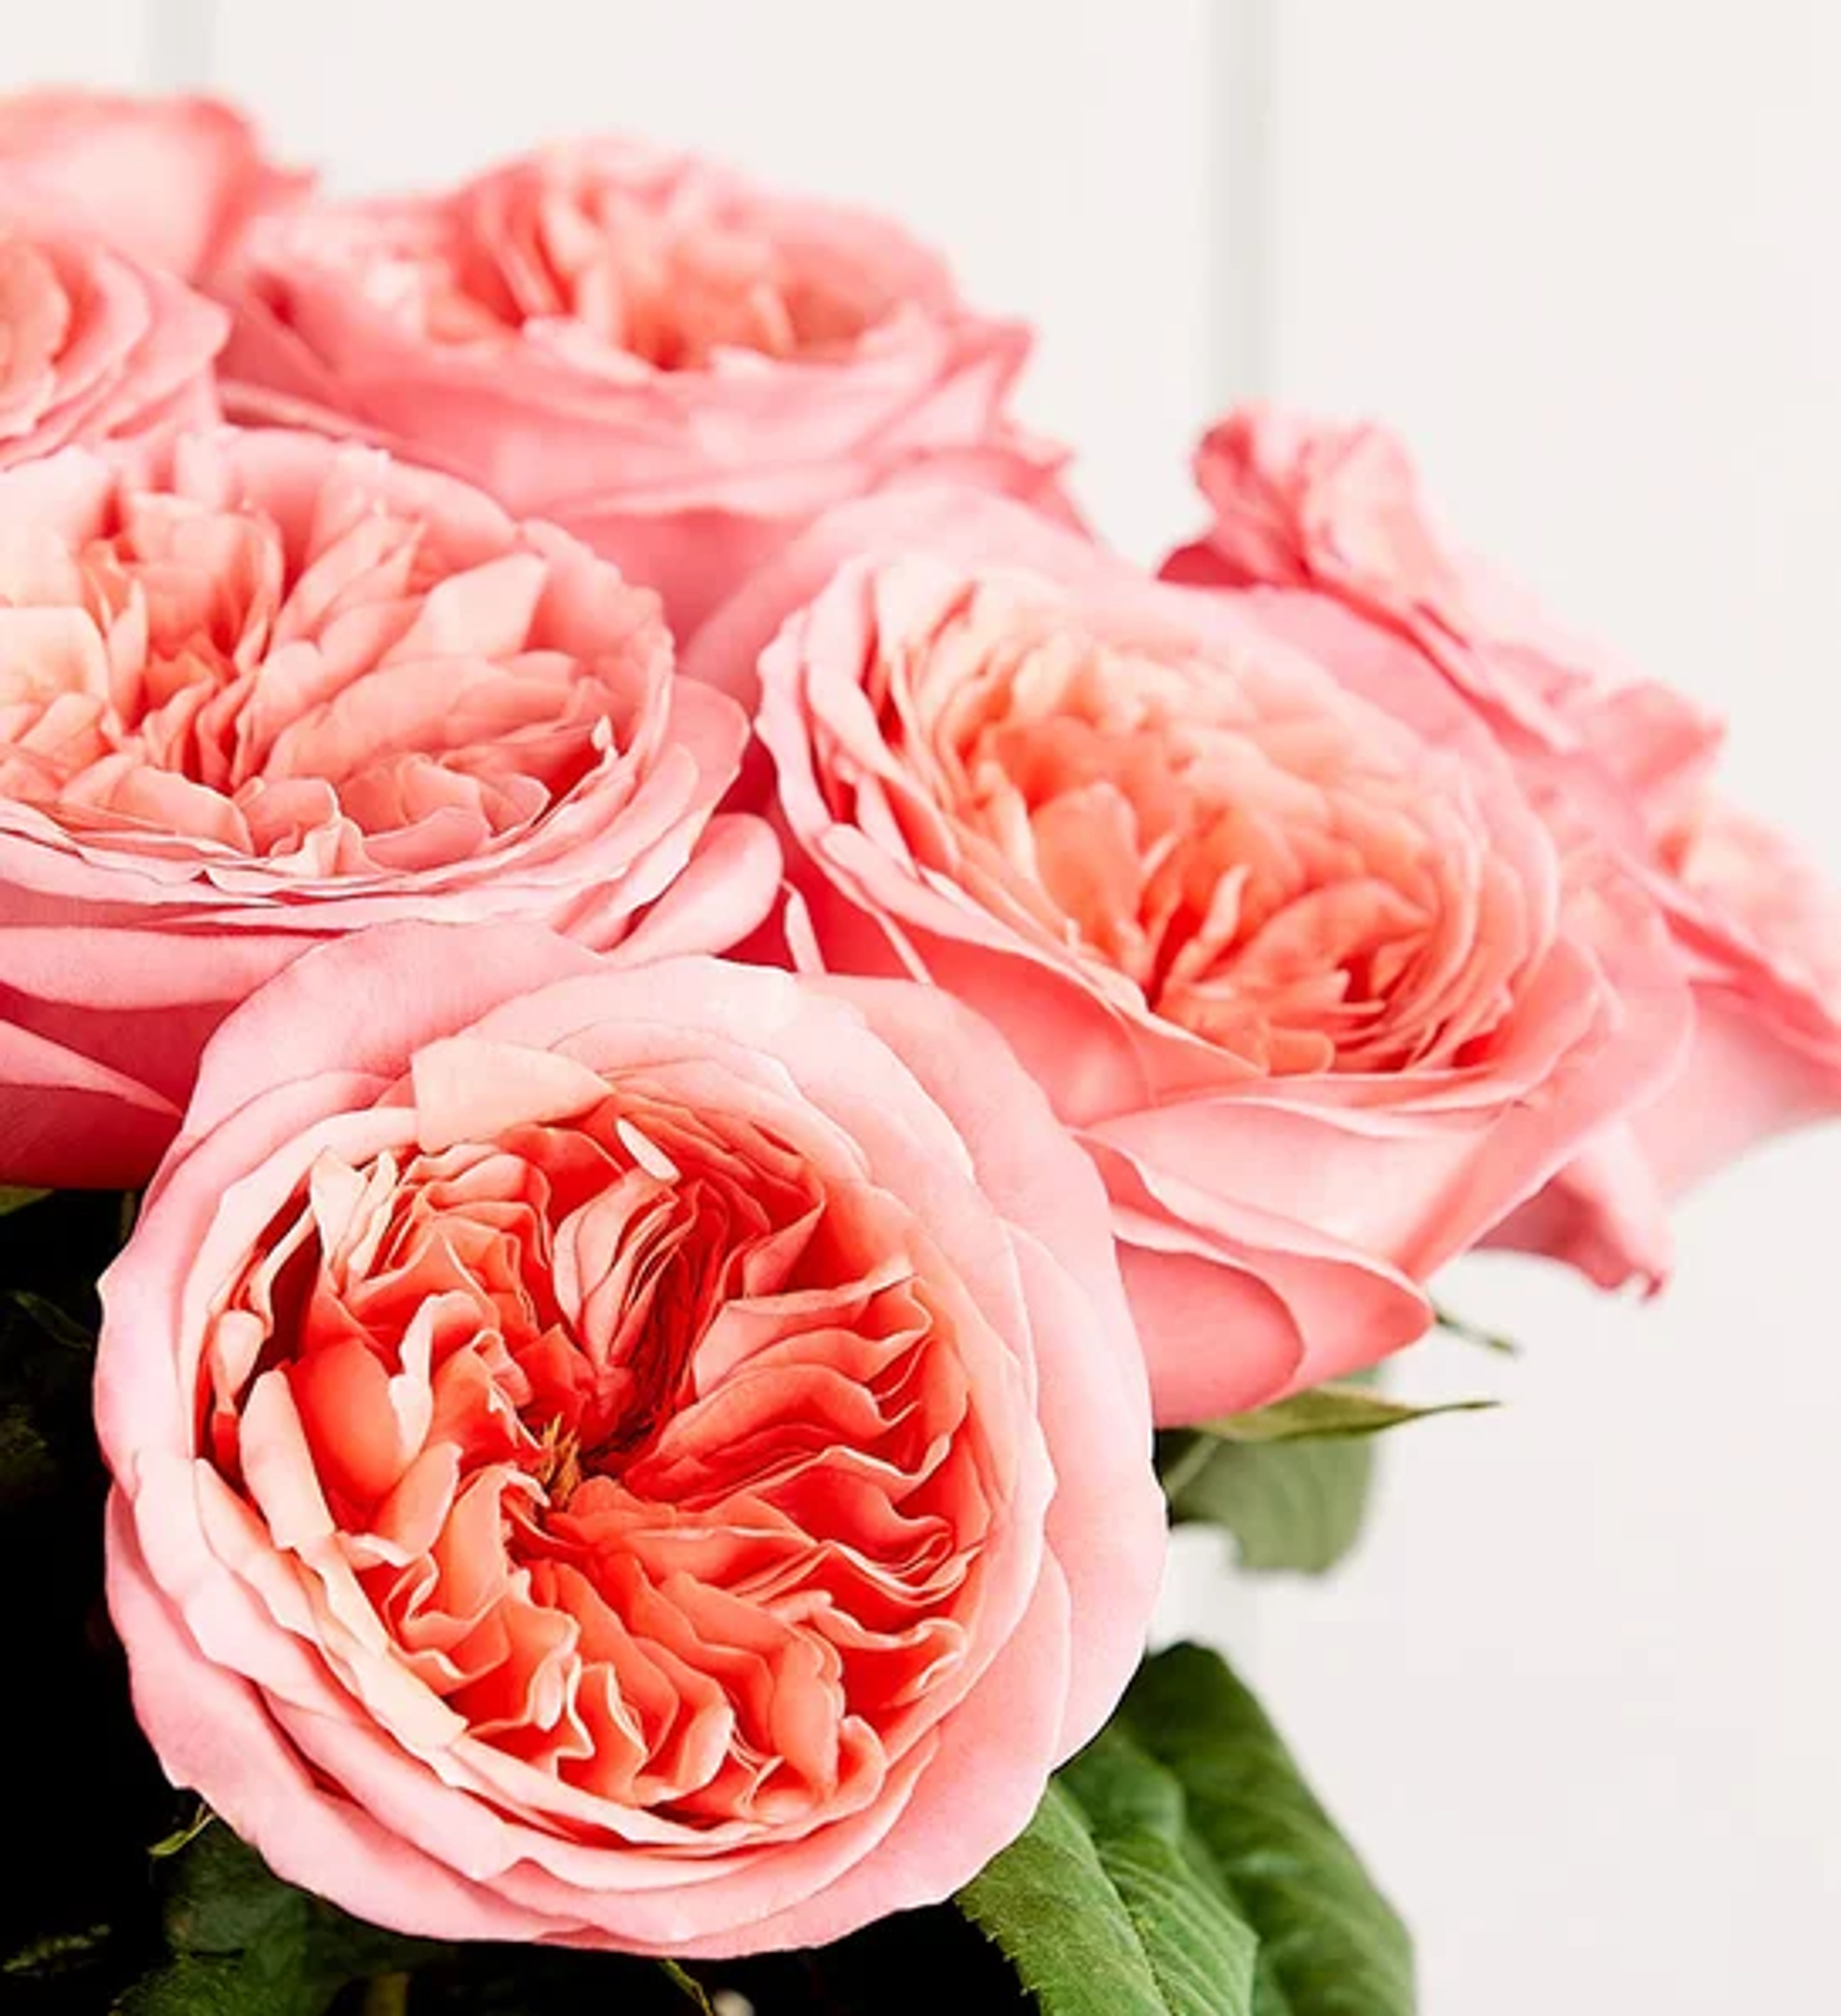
(1253, 893)
(623, 1432)
(267, 691)
(681, 368)
(1624, 763)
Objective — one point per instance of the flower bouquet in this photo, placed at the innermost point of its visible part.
(674, 1065)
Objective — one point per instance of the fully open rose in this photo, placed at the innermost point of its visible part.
(1336, 510)
(93, 346)
(651, 1457)
(273, 689)
(677, 365)
(169, 182)
(1252, 892)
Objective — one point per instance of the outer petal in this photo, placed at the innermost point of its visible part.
(1236, 1306)
(416, 981)
(209, 1728)
(1603, 1214)
(921, 516)
(68, 1121)
(696, 555)
(171, 180)
(1742, 1084)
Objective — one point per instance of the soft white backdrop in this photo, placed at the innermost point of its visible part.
(1577, 1695)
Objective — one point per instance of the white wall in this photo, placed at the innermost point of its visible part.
(1578, 1695)
(1029, 137)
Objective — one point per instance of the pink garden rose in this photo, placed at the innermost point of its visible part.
(1758, 932)
(1251, 892)
(94, 347)
(169, 182)
(271, 689)
(679, 367)
(646, 1458)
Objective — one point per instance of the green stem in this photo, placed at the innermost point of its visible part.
(1187, 1462)
(1469, 1333)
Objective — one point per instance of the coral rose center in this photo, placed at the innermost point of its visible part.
(660, 264)
(647, 1453)
(1269, 865)
(338, 699)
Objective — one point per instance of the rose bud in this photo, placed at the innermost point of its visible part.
(98, 349)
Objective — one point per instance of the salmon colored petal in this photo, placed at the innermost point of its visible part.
(266, 690)
(625, 1430)
(1249, 885)
(1331, 518)
(683, 369)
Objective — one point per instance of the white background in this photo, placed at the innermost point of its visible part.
(1578, 1698)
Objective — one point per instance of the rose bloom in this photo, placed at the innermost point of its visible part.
(650, 1458)
(94, 347)
(271, 689)
(169, 182)
(1252, 893)
(1756, 929)
(678, 366)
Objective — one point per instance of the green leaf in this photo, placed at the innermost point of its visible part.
(1179, 1866)
(285, 1952)
(17, 1199)
(242, 1940)
(56, 1952)
(28, 1465)
(1201, 1949)
(199, 1987)
(1330, 1944)
(222, 1898)
(46, 1359)
(57, 1325)
(1105, 1907)
(1330, 1412)
(1290, 1483)
(1294, 1506)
